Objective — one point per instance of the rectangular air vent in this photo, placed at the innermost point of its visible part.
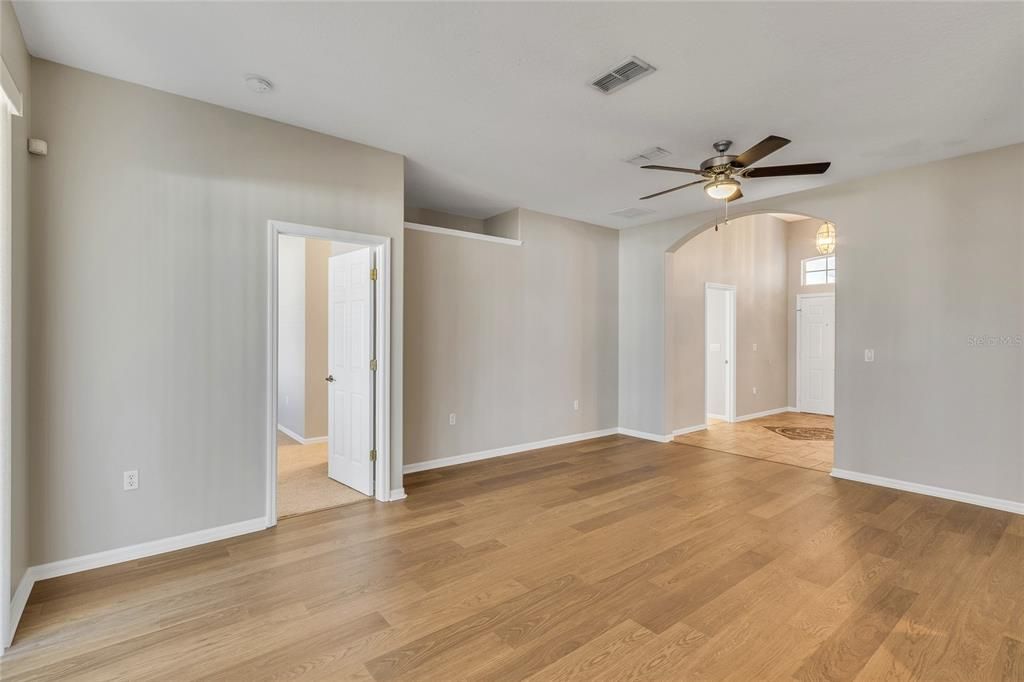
(648, 156)
(627, 72)
(632, 212)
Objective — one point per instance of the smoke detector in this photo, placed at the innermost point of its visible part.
(258, 84)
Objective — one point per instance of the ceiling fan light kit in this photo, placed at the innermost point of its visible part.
(722, 173)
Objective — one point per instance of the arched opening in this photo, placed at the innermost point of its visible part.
(750, 338)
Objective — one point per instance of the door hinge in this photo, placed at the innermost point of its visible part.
(373, 274)
(373, 365)
(373, 455)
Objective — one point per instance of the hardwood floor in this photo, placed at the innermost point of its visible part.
(611, 559)
(752, 439)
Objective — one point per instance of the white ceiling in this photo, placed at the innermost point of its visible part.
(490, 103)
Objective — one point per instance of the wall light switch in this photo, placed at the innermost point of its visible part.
(755, 390)
(755, 346)
(575, 404)
(451, 419)
(869, 355)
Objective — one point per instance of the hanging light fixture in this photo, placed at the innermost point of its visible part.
(825, 239)
(722, 187)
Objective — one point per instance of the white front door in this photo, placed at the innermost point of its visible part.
(816, 356)
(350, 379)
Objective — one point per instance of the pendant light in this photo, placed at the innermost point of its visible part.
(825, 239)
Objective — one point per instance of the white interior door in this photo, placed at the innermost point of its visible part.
(719, 351)
(816, 357)
(350, 379)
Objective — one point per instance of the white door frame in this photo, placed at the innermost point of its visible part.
(730, 382)
(800, 298)
(382, 351)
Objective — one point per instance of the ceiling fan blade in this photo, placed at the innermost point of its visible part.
(673, 189)
(772, 143)
(793, 169)
(674, 168)
(734, 197)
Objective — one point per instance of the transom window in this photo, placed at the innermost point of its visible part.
(819, 270)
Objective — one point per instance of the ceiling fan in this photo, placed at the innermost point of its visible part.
(721, 174)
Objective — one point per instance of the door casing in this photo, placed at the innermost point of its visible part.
(382, 334)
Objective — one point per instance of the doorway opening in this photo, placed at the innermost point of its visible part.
(765, 298)
(327, 368)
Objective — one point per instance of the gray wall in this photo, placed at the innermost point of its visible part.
(931, 256)
(16, 57)
(426, 216)
(149, 277)
(749, 253)
(802, 244)
(291, 333)
(507, 337)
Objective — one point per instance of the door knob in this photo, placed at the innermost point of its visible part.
(329, 379)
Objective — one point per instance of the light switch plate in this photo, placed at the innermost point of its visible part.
(869, 355)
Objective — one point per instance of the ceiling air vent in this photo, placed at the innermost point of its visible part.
(648, 156)
(627, 72)
(632, 212)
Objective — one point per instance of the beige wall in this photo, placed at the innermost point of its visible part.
(930, 258)
(317, 253)
(507, 337)
(749, 253)
(149, 280)
(801, 245)
(15, 56)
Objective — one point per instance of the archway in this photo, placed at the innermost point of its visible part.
(759, 390)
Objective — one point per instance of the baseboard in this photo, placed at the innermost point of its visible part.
(396, 495)
(18, 602)
(501, 452)
(304, 441)
(931, 490)
(690, 429)
(657, 438)
(766, 413)
(145, 549)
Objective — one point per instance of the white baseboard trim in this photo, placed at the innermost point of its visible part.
(54, 569)
(18, 602)
(933, 491)
(766, 413)
(294, 436)
(396, 495)
(657, 438)
(145, 549)
(690, 429)
(501, 452)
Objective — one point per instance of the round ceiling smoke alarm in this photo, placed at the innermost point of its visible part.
(259, 84)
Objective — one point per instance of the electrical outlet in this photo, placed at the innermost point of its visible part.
(755, 390)
(131, 480)
(575, 404)
(869, 355)
(451, 419)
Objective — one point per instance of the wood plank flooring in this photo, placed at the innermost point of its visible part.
(611, 559)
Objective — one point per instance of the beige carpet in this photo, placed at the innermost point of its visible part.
(302, 483)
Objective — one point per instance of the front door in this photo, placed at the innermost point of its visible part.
(816, 361)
